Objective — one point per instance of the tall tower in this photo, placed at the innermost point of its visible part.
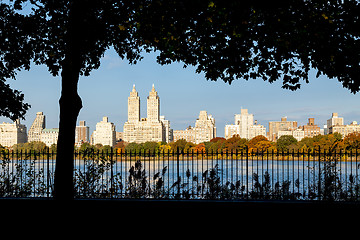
(153, 106)
(245, 122)
(134, 106)
(37, 127)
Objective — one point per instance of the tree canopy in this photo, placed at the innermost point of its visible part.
(226, 40)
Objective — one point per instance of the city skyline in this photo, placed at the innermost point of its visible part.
(184, 93)
(155, 128)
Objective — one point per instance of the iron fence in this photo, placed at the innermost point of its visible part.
(291, 175)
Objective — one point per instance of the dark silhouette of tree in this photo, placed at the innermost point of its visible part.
(224, 39)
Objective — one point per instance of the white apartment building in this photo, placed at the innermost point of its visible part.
(105, 133)
(49, 136)
(12, 133)
(231, 130)
(244, 120)
(298, 134)
(335, 120)
(344, 130)
(257, 130)
(203, 131)
(244, 126)
(153, 128)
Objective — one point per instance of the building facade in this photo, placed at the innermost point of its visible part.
(298, 134)
(12, 133)
(244, 120)
(188, 134)
(244, 126)
(336, 125)
(105, 133)
(257, 130)
(153, 128)
(335, 120)
(283, 125)
(49, 136)
(344, 130)
(311, 129)
(203, 131)
(231, 130)
(81, 134)
(36, 128)
(167, 131)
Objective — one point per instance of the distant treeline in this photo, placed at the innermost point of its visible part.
(259, 144)
(219, 144)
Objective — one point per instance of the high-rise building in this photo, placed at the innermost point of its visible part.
(134, 106)
(12, 133)
(37, 127)
(244, 126)
(167, 131)
(81, 133)
(153, 106)
(335, 120)
(244, 120)
(283, 125)
(311, 129)
(153, 128)
(336, 125)
(105, 133)
(203, 131)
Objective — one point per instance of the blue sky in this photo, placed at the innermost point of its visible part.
(183, 94)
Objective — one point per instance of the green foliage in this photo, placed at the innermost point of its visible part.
(179, 145)
(284, 142)
(86, 147)
(147, 147)
(31, 146)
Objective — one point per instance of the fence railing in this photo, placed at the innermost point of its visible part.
(294, 175)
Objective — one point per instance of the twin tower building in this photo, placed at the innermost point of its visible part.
(152, 128)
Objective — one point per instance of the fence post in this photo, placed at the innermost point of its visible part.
(111, 173)
(247, 172)
(48, 173)
(178, 169)
(319, 184)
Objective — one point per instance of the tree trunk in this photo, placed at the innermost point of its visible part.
(70, 105)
